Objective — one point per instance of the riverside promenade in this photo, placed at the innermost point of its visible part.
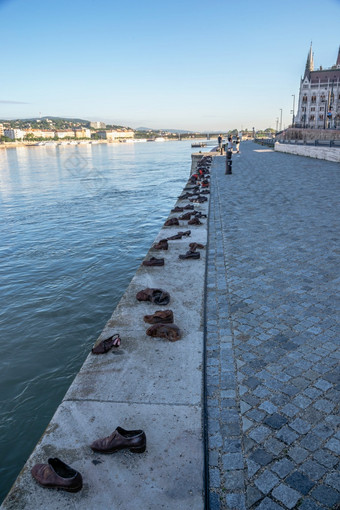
(272, 337)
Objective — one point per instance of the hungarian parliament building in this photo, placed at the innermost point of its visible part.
(319, 97)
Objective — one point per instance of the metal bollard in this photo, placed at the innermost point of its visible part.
(229, 163)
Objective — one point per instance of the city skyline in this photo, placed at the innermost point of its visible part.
(173, 66)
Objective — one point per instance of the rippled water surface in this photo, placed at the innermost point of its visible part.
(76, 222)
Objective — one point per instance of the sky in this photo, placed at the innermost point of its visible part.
(185, 64)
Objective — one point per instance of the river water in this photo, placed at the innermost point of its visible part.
(76, 222)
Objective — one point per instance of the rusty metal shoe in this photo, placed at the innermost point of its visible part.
(189, 207)
(153, 262)
(176, 236)
(160, 316)
(57, 475)
(157, 296)
(107, 344)
(171, 221)
(161, 245)
(177, 209)
(121, 439)
(190, 255)
(170, 332)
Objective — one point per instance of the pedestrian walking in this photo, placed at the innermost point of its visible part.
(230, 144)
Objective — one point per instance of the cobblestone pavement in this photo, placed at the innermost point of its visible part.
(272, 338)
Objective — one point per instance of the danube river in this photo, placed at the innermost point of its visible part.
(76, 222)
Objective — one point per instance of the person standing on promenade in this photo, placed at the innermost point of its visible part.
(219, 139)
(238, 144)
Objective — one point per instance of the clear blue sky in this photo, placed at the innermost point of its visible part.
(179, 64)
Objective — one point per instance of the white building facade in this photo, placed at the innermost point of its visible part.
(319, 97)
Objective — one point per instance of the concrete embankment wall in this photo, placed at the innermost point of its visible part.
(146, 383)
(319, 152)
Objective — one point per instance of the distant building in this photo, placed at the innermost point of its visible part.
(116, 135)
(1, 130)
(82, 133)
(319, 97)
(98, 125)
(39, 133)
(65, 133)
(14, 134)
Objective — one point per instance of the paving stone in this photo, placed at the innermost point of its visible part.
(326, 496)
(234, 479)
(232, 461)
(287, 435)
(272, 445)
(261, 456)
(333, 479)
(236, 501)
(308, 504)
(214, 501)
(313, 469)
(268, 504)
(253, 495)
(289, 497)
(276, 421)
(298, 454)
(283, 467)
(299, 482)
(260, 433)
(301, 426)
(266, 481)
(214, 477)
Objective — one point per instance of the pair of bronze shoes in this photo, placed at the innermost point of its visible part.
(194, 221)
(163, 326)
(58, 475)
(157, 296)
(179, 235)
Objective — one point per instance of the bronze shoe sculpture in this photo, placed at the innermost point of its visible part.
(195, 246)
(107, 344)
(120, 439)
(57, 475)
(176, 236)
(189, 207)
(186, 216)
(153, 262)
(161, 245)
(186, 233)
(177, 209)
(171, 221)
(160, 316)
(190, 255)
(194, 221)
(157, 296)
(170, 332)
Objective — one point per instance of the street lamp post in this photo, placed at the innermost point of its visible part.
(277, 124)
(293, 112)
(281, 119)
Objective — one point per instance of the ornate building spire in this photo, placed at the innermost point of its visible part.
(310, 62)
(338, 59)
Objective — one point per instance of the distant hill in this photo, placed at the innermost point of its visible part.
(166, 130)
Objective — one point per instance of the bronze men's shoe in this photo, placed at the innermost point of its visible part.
(186, 233)
(171, 221)
(107, 344)
(177, 209)
(120, 439)
(57, 475)
(176, 236)
(194, 221)
(189, 207)
(195, 246)
(161, 316)
(161, 245)
(153, 262)
(186, 216)
(190, 255)
(170, 332)
(157, 296)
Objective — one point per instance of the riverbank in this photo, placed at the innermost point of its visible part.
(147, 383)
